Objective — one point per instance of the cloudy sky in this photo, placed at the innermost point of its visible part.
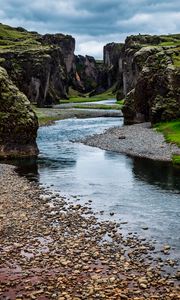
(93, 22)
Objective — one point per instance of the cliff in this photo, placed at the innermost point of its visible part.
(112, 56)
(147, 71)
(39, 65)
(44, 67)
(18, 123)
(85, 75)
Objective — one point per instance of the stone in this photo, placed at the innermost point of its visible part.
(18, 122)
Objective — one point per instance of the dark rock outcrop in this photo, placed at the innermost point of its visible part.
(40, 74)
(40, 65)
(112, 55)
(18, 123)
(149, 78)
(85, 75)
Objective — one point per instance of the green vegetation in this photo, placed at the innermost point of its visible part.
(170, 43)
(176, 60)
(170, 40)
(176, 160)
(98, 106)
(44, 118)
(79, 99)
(120, 102)
(16, 37)
(171, 131)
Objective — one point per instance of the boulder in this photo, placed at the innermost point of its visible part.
(18, 123)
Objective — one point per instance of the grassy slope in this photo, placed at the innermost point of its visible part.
(15, 38)
(171, 131)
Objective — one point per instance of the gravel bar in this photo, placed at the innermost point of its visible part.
(51, 248)
(135, 140)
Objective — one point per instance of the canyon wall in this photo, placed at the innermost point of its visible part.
(147, 71)
(44, 67)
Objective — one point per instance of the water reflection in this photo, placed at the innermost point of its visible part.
(139, 191)
(159, 173)
(27, 167)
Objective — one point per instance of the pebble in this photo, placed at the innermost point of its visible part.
(64, 252)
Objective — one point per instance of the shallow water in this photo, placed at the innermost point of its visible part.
(139, 191)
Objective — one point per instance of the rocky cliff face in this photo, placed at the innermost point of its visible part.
(44, 66)
(40, 74)
(156, 95)
(147, 73)
(87, 75)
(39, 65)
(18, 123)
(112, 56)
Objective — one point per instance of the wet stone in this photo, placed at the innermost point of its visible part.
(51, 249)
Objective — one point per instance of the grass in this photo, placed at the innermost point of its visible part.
(12, 37)
(77, 99)
(120, 102)
(176, 160)
(98, 106)
(176, 60)
(171, 131)
(43, 118)
(170, 43)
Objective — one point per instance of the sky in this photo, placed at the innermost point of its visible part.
(93, 23)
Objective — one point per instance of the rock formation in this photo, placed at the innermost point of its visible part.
(86, 72)
(148, 76)
(112, 56)
(43, 67)
(39, 65)
(18, 123)
(144, 70)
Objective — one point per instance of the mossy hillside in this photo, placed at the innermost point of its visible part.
(12, 38)
(17, 37)
(135, 41)
(176, 57)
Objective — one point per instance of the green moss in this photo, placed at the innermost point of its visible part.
(15, 38)
(176, 160)
(170, 43)
(176, 60)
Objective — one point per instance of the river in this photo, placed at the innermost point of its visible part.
(143, 193)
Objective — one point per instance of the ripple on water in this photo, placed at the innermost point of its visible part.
(139, 191)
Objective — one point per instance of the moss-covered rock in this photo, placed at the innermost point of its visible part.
(40, 65)
(18, 123)
(151, 79)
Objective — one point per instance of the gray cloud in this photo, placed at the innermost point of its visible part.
(96, 22)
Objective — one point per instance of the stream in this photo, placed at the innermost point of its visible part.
(144, 195)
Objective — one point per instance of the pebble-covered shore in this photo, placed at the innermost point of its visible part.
(135, 140)
(51, 248)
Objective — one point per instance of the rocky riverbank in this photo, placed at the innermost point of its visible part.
(136, 140)
(48, 116)
(54, 249)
